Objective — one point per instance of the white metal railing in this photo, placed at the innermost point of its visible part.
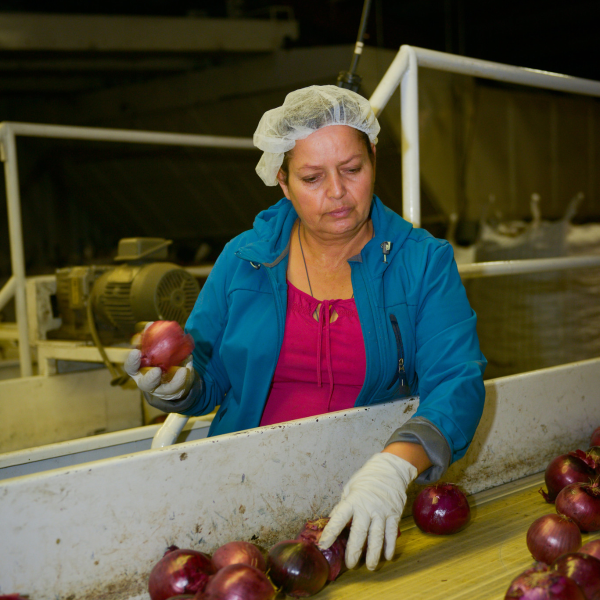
(402, 72)
(15, 287)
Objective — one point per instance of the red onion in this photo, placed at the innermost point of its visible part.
(581, 503)
(544, 585)
(311, 532)
(298, 568)
(235, 553)
(238, 582)
(574, 467)
(12, 597)
(441, 509)
(164, 345)
(595, 439)
(592, 548)
(179, 572)
(552, 535)
(583, 569)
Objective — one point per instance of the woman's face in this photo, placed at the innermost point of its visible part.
(330, 181)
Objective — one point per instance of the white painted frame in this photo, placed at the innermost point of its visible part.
(15, 286)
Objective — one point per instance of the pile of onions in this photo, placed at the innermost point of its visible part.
(583, 569)
(238, 582)
(163, 344)
(311, 532)
(544, 584)
(574, 467)
(236, 553)
(179, 572)
(552, 535)
(581, 503)
(298, 568)
(441, 509)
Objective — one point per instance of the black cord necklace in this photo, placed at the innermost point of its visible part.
(304, 260)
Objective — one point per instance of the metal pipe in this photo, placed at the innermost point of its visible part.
(17, 255)
(390, 81)
(409, 117)
(170, 430)
(500, 72)
(8, 291)
(127, 135)
(361, 34)
(531, 265)
(202, 271)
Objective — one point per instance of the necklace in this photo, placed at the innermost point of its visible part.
(304, 260)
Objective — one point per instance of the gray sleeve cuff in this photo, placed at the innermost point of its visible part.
(422, 431)
(177, 406)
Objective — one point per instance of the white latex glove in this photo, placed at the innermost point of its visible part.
(374, 499)
(150, 382)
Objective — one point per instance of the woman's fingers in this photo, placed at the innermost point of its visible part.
(359, 530)
(149, 381)
(132, 363)
(338, 519)
(375, 543)
(391, 535)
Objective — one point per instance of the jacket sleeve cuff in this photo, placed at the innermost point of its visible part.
(422, 431)
(177, 406)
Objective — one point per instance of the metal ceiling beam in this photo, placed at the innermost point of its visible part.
(100, 33)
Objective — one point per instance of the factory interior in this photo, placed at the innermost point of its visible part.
(126, 135)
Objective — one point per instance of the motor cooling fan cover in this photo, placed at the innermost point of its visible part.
(149, 292)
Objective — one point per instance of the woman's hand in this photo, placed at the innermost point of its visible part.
(152, 380)
(374, 499)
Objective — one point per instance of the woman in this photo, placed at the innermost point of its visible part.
(331, 301)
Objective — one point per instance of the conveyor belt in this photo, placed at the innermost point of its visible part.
(477, 563)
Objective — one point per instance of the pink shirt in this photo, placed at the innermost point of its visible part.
(322, 365)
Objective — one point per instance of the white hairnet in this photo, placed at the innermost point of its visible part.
(302, 113)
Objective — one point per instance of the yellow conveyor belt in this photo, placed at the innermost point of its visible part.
(477, 563)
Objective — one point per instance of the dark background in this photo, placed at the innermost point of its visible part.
(550, 35)
(78, 199)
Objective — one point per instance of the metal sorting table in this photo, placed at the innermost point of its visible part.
(477, 563)
(94, 530)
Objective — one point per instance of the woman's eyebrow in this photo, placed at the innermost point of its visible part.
(344, 162)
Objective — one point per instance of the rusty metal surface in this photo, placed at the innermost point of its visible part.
(77, 531)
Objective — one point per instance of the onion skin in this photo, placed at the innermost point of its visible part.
(594, 454)
(574, 467)
(581, 503)
(544, 585)
(179, 572)
(592, 548)
(595, 439)
(441, 509)
(583, 569)
(311, 532)
(552, 535)
(298, 568)
(163, 344)
(238, 582)
(236, 553)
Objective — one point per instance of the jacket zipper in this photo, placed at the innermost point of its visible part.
(401, 372)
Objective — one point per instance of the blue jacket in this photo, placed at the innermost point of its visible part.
(412, 307)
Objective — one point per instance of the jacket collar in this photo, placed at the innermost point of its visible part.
(273, 228)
